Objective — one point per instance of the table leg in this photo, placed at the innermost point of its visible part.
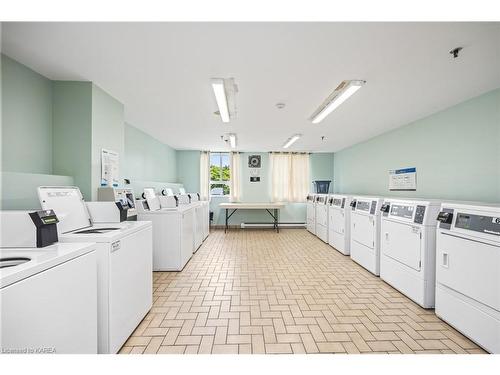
(276, 216)
(225, 228)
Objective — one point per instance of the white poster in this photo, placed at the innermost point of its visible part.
(403, 179)
(109, 168)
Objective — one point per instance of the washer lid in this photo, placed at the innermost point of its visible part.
(68, 204)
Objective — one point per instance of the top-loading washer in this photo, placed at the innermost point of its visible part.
(365, 232)
(467, 271)
(48, 299)
(124, 263)
(311, 213)
(173, 229)
(321, 215)
(408, 247)
(339, 222)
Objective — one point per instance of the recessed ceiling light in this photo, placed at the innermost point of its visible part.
(339, 95)
(290, 141)
(221, 98)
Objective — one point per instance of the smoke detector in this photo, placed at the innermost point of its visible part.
(280, 105)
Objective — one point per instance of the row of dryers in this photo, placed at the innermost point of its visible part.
(76, 277)
(442, 255)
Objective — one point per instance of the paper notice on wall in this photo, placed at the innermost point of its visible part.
(403, 179)
(109, 168)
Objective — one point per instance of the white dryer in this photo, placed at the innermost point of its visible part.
(124, 263)
(48, 299)
(408, 248)
(365, 232)
(173, 230)
(321, 209)
(311, 213)
(467, 271)
(339, 222)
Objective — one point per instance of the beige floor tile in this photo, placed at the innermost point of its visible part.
(170, 349)
(330, 347)
(279, 349)
(225, 349)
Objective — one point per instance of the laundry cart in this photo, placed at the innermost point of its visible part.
(339, 222)
(467, 271)
(311, 214)
(408, 248)
(365, 232)
(321, 217)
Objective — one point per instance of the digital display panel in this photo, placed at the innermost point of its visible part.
(363, 206)
(402, 211)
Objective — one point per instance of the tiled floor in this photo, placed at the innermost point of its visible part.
(256, 291)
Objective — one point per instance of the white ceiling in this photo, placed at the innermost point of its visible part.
(162, 71)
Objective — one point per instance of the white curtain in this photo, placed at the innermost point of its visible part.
(205, 175)
(289, 177)
(235, 178)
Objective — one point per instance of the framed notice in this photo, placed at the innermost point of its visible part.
(403, 179)
(109, 168)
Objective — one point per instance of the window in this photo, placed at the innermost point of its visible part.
(220, 174)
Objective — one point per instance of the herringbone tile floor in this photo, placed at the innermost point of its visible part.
(256, 291)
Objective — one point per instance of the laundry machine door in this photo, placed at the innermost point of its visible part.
(469, 267)
(338, 218)
(130, 285)
(363, 230)
(402, 242)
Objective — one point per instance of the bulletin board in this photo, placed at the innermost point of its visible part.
(404, 179)
(109, 168)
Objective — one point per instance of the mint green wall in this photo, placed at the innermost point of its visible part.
(19, 189)
(72, 126)
(188, 169)
(26, 119)
(146, 158)
(322, 167)
(107, 132)
(456, 153)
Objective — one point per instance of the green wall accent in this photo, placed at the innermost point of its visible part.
(26, 119)
(188, 169)
(19, 189)
(72, 112)
(146, 158)
(107, 132)
(456, 153)
(322, 167)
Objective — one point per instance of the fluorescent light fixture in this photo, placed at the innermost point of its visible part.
(221, 98)
(292, 140)
(232, 140)
(339, 96)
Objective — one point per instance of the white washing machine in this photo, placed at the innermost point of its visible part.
(173, 230)
(48, 299)
(339, 222)
(311, 213)
(408, 248)
(321, 209)
(124, 263)
(365, 232)
(468, 271)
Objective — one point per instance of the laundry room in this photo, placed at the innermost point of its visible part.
(201, 191)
